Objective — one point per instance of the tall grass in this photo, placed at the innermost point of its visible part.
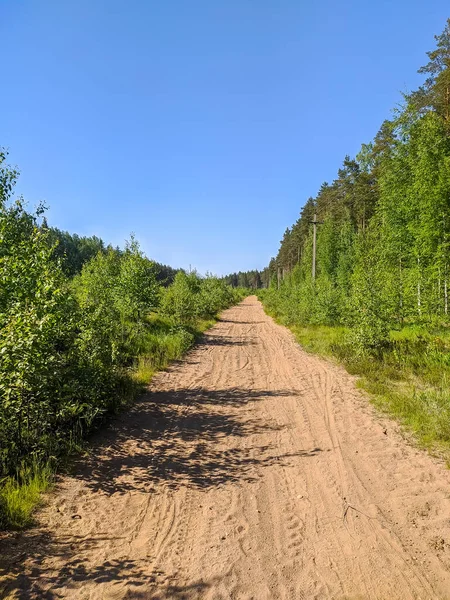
(165, 342)
(20, 495)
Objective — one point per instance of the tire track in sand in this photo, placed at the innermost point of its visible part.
(250, 471)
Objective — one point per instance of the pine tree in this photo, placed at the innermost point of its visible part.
(435, 92)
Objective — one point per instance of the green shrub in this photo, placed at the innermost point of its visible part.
(69, 348)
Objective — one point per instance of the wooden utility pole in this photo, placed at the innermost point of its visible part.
(315, 222)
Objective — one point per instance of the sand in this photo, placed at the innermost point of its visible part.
(250, 470)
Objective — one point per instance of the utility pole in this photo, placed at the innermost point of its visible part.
(315, 222)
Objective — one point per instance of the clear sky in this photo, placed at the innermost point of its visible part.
(200, 125)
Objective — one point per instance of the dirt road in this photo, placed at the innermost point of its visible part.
(251, 470)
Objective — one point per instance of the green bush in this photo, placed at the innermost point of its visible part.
(71, 350)
(191, 297)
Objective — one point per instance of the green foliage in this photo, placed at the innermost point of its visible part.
(74, 350)
(248, 279)
(190, 298)
(435, 92)
(214, 296)
(137, 290)
(178, 302)
(383, 277)
(369, 308)
(115, 292)
(164, 341)
(72, 250)
(383, 244)
(36, 332)
(20, 494)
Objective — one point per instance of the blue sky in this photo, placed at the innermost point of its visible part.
(200, 125)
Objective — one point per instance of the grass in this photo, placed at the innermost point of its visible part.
(20, 495)
(320, 339)
(408, 380)
(164, 343)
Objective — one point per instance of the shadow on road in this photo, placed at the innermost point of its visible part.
(223, 340)
(40, 549)
(241, 322)
(43, 582)
(173, 438)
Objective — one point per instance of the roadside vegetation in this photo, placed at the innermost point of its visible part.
(82, 328)
(379, 301)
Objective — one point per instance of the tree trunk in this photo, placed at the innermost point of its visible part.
(419, 310)
(401, 290)
(445, 298)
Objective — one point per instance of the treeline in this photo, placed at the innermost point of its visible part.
(81, 326)
(73, 251)
(383, 239)
(249, 279)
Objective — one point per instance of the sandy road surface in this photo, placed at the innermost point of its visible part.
(251, 470)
